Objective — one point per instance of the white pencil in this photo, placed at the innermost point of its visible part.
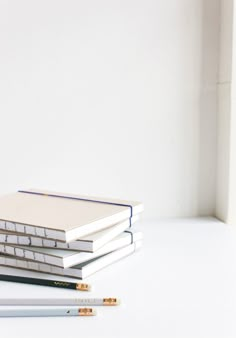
(47, 312)
(60, 301)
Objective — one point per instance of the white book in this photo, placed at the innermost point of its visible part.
(89, 243)
(80, 271)
(60, 216)
(65, 258)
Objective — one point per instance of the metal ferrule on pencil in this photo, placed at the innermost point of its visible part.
(86, 312)
(83, 287)
(111, 301)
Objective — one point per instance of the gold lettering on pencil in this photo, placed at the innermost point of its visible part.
(61, 283)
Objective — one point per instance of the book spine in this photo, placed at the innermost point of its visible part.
(18, 263)
(22, 253)
(32, 230)
(32, 241)
(29, 254)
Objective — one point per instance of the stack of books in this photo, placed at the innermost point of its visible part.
(64, 234)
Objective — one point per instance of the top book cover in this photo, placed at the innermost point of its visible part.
(61, 216)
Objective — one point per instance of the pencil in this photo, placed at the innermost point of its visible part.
(47, 312)
(60, 301)
(46, 282)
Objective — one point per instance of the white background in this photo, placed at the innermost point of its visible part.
(119, 98)
(113, 98)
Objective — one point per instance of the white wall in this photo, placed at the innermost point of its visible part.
(209, 106)
(103, 97)
(232, 195)
(224, 111)
(226, 173)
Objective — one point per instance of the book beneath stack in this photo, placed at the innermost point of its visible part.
(80, 271)
(66, 258)
(66, 234)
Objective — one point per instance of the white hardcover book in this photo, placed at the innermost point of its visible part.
(59, 216)
(89, 243)
(65, 258)
(80, 271)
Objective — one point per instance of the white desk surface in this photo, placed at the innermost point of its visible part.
(181, 284)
